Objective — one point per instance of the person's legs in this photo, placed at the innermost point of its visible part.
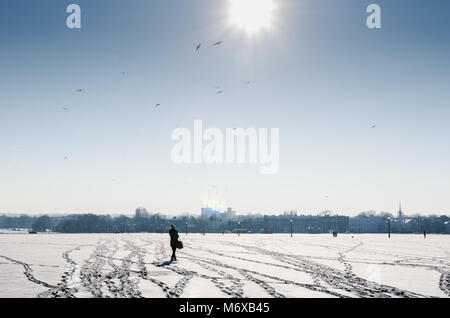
(174, 258)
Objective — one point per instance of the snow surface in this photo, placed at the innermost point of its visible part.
(250, 265)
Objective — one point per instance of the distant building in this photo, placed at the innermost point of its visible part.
(300, 224)
(210, 212)
(400, 219)
(363, 224)
(141, 212)
(229, 214)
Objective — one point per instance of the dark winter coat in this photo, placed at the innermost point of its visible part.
(173, 238)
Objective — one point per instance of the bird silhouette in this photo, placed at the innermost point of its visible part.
(220, 92)
(373, 126)
(65, 108)
(79, 90)
(157, 105)
(198, 47)
(218, 43)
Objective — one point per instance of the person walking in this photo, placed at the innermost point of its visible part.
(173, 241)
(424, 234)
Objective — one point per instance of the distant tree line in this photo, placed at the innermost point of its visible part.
(92, 223)
(410, 223)
(143, 221)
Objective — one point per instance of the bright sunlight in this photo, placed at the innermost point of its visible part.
(252, 15)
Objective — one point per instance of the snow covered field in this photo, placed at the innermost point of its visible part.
(136, 265)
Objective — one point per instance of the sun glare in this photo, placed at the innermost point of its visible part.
(252, 15)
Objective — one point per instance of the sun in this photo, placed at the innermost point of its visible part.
(252, 15)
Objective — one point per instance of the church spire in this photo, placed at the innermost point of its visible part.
(400, 213)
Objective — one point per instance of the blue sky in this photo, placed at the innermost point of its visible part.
(319, 74)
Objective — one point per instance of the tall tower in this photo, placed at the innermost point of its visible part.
(400, 217)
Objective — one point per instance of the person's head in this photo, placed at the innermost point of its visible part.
(172, 226)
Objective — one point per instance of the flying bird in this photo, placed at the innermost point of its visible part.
(65, 108)
(157, 105)
(248, 82)
(218, 43)
(65, 158)
(79, 90)
(373, 126)
(198, 47)
(220, 92)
